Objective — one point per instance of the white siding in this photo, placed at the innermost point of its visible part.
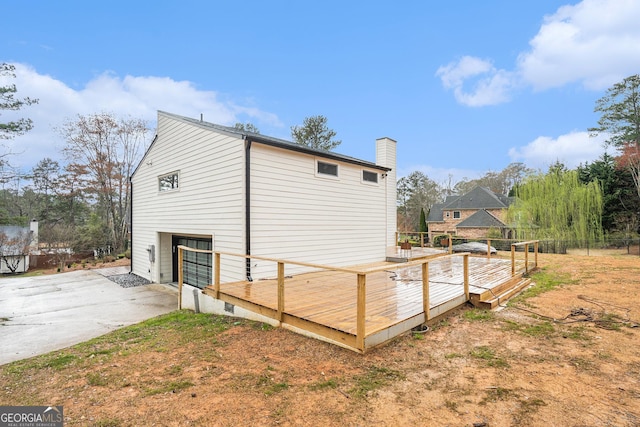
(300, 216)
(209, 200)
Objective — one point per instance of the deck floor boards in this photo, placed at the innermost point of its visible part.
(392, 296)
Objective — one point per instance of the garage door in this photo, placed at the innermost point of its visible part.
(196, 267)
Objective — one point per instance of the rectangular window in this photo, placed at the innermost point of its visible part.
(456, 214)
(168, 182)
(327, 168)
(368, 176)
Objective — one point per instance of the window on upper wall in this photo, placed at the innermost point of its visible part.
(168, 182)
(446, 214)
(368, 176)
(456, 214)
(325, 168)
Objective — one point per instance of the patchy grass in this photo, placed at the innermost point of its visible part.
(323, 385)
(540, 330)
(95, 379)
(450, 356)
(375, 378)
(56, 361)
(152, 335)
(269, 386)
(495, 394)
(544, 281)
(578, 333)
(478, 315)
(610, 321)
(488, 355)
(167, 387)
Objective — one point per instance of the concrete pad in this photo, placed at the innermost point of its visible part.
(45, 313)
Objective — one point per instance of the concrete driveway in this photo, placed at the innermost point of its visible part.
(45, 313)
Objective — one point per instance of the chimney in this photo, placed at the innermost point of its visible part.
(386, 156)
(33, 230)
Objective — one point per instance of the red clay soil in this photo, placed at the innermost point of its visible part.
(568, 357)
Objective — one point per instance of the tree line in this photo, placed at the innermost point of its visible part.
(85, 202)
(596, 199)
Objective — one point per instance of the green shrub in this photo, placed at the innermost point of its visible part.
(437, 240)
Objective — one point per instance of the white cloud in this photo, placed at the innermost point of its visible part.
(595, 43)
(491, 86)
(571, 149)
(136, 96)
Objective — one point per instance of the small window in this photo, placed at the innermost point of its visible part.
(327, 168)
(168, 182)
(456, 214)
(368, 176)
(446, 214)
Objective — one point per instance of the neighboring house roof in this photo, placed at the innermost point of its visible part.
(479, 198)
(13, 231)
(481, 219)
(435, 213)
(268, 140)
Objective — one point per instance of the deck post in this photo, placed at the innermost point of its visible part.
(425, 291)
(535, 252)
(361, 311)
(513, 259)
(280, 290)
(180, 276)
(216, 274)
(465, 269)
(488, 248)
(526, 258)
(450, 244)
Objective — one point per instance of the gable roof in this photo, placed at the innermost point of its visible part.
(481, 219)
(266, 140)
(13, 231)
(435, 213)
(479, 198)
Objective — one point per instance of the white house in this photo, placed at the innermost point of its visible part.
(215, 187)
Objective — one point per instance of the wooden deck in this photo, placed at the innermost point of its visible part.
(324, 303)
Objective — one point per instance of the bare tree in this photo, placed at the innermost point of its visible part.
(108, 148)
(14, 249)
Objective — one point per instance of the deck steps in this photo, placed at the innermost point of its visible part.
(490, 300)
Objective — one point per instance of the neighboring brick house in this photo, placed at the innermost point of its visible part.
(470, 215)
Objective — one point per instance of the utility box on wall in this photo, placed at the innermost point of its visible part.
(152, 253)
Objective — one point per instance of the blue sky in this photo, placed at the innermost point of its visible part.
(464, 86)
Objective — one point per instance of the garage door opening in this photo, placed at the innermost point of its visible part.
(197, 267)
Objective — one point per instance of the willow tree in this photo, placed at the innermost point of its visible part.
(557, 206)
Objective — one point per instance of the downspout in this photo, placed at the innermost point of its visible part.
(247, 207)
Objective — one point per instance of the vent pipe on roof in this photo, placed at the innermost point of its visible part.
(201, 117)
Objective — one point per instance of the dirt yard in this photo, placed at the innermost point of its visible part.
(567, 357)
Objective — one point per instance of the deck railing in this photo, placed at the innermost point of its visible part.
(526, 245)
(282, 304)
